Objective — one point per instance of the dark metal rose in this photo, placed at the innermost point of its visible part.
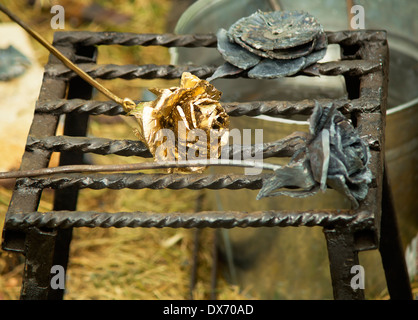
(277, 34)
(271, 44)
(334, 156)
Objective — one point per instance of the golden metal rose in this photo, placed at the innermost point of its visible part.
(194, 116)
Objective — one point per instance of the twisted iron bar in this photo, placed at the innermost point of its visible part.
(87, 38)
(302, 107)
(91, 107)
(281, 148)
(129, 72)
(208, 219)
(156, 181)
(234, 109)
(85, 144)
(151, 71)
(349, 38)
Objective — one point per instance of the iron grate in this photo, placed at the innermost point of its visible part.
(369, 68)
(366, 75)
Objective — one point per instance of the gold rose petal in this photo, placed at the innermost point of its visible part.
(188, 80)
(164, 103)
(193, 105)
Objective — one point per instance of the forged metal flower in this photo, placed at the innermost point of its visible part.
(277, 34)
(271, 44)
(334, 156)
(178, 112)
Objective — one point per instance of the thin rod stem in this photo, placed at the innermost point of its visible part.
(61, 57)
(136, 166)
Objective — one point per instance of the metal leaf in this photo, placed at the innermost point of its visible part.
(235, 54)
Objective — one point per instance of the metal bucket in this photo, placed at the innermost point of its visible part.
(289, 263)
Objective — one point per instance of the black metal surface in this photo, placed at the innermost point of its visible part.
(151, 71)
(102, 146)
(347, 231)
(37, 245)
(342, 257)
(281, 148)
(209, 219)
(87, 38)
(234, 109)
(141, 181)
(42, 125)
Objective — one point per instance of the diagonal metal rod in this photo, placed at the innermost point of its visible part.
(124, 102)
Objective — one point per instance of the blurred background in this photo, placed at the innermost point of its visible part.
(279, 263)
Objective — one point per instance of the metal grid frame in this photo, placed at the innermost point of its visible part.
(44, 238)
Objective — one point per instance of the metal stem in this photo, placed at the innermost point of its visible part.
(137, 166)
(126, 103)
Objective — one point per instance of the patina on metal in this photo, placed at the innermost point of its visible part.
(334, 156)
(44, 237)
(271, 45)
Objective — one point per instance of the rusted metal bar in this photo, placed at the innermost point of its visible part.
(343, 244)
(80, 106)
(291, 108)
(349, 38)
(88, 38)
(140, 181)
(129, 72)
(155, 181)
(85, 145)
(152, 71)
(39, 255)
(342, 257)
(234, 109)
(37, 245)
(204, 219)
(24, 200)
(374, 86)
(280, 148)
